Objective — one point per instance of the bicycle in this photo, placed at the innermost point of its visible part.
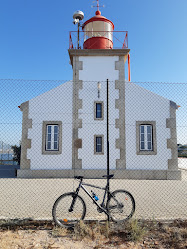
(70, 207)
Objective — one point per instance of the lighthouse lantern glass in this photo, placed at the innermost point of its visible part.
(98, 29)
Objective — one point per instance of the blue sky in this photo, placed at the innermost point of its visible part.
(35, 39)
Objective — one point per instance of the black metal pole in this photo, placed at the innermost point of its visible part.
(108, 165)
(78, 36)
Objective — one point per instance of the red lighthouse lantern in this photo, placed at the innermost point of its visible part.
(98, 32)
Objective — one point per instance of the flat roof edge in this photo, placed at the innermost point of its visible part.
(97, 52)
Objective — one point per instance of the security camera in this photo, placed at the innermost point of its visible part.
(76, 21)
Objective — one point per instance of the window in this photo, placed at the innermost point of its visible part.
(98, 110)
(98, 144)
(52, 137)
(146, 138)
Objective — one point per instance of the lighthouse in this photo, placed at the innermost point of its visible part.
(99, 120)
(97, 60)
(98, 32)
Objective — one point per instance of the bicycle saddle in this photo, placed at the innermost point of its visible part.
(79, 177)
(110, 176)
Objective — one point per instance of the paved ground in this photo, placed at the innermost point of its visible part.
(23, 198)
(182, 163)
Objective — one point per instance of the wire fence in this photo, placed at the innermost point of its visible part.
(64, 133)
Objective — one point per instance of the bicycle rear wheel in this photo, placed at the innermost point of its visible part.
(63, 216)
(121, 205)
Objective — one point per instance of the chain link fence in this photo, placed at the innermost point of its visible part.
(64, 134)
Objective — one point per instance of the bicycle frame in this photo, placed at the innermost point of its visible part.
(86, 191)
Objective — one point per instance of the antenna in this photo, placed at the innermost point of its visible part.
(78, 16)
(98, 6)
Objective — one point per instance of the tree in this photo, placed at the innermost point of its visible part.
(17, 153)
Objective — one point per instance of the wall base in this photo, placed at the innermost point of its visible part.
(118, 174)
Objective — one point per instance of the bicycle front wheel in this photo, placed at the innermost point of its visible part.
(121, 205)
(63, 216)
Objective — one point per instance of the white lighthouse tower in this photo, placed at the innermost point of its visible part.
(94, 63)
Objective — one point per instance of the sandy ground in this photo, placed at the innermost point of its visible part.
(157, 235)
(38, 239)
(34, 198)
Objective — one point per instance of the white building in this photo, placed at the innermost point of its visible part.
(64, 130)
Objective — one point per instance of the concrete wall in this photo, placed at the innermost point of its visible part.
(72, 104)
(143, 105)
(98, 68)
(140, 105)
(55, 105)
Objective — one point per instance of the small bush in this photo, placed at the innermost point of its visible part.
(135, 230)
(94, 230)
(82, 230)
(59, 232)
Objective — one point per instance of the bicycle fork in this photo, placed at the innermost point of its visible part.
(75, 197)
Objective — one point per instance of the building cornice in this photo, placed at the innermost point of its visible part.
(97, 52)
